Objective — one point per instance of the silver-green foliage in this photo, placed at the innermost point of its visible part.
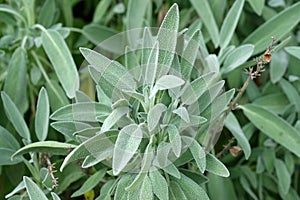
(157, 109)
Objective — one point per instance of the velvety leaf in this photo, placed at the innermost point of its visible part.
(55, 196)
(197, 152)
(33, 190)
(237, 57)
(42, 115)
(81, 112)
(167, 39)
(233, 125)
(278, 66)
(152, 64)
(47, 14)
(15, 82)
(283, 176)
(291, 93)
(204, 11)
(275, 102)
(62, 61)
(278, 26)
(90, 183)
(159, 185)
(154, 115)
(144, 191)
(15, 117)
(52, 147)
(126, 146)
(166, 82)
(101, 10)
(175, 139)
(215, 166)
(257, 5)
(294, 51)
(91, 32)
(192, 91)
(191, 189)
(110, 75)
(113, 118)
(97, 147)
(220, 188)
(274, 127)
(230, 22)
(135, 17)
(56, 95)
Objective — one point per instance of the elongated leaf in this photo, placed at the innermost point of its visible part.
(294, 51)
(274, 127)
(152, 64)
(127, 143)
(203, 9)
(144, 191)
(62, 61)
(176, 192)
(237, 57)
(81, 112)
(47, 14)
(124, 181)
(7, 140)
(135, 17)
(220, 188)
(291, 93)
(56, 95)
(233, 125)
(166, 82)
(91, 32)
(278, 26)
(55, 196)
(113, 118)
(154, 115)
(90, 183)
(15, 82)
(278, 66)
(191, 189)
(215, 166)
(33, 190)
(192, 91)
(42, 115)
(101, 10)
(8, 9)
(175, 139)
(110, 75)
(96, 146)
(135, 14)
(159, 185)
(189, 55)
(52, 147)
(167, 39)
(275, 102)
(15, 117)
(247, 187)
(183, 113)
(230, 23)
(283, 176)
(257, 5)
(197, 152)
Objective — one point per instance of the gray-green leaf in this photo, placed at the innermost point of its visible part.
(62, 61)
(42, 115)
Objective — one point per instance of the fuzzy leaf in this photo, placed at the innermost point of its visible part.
(42, 115)
(62, 61)
(127, 143)
(274, 127)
